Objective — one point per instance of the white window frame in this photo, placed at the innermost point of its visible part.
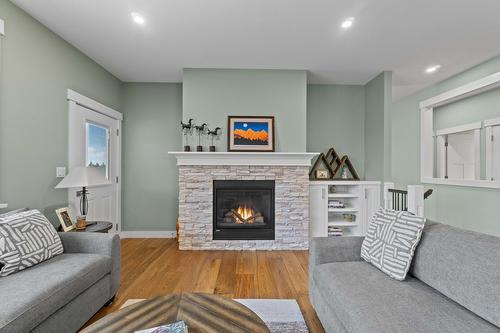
(488, 132)
(476, 127)
(75, 98)
(427, 130)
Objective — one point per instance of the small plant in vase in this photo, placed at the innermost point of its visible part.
(200, 130)
(214, 134)
(187, 129)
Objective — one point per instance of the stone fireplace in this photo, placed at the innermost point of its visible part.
(240, 201)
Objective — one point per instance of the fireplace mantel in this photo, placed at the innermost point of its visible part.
(243, 158)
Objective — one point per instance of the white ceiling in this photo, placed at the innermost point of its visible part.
(404, 36)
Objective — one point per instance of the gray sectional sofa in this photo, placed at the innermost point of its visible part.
(453, 285)
(61, 294)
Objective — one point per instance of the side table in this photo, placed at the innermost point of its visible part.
(97, 226)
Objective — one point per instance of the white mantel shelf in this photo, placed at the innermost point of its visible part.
(243, 158)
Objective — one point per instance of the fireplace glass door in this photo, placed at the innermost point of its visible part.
(243, 209)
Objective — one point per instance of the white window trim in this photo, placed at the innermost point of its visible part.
(492, 122)
(476, 127)
(427, 130)
(458, 129)
(488, 132)
(93, 105)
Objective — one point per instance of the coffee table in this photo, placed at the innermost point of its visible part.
(201, 313)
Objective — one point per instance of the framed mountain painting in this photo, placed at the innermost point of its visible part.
(250, 133)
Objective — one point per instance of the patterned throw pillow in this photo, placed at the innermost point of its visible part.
(26, 239)
(391, 240)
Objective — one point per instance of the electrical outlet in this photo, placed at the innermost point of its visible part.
(60, 172)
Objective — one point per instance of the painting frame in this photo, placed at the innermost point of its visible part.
(264, 122)
(64, 215)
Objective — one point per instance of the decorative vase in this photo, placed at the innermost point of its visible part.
(344, 174)
(212, 148)
(199, 148)
(187, 148)
(81, 222)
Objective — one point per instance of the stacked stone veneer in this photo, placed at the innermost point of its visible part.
(291, 206)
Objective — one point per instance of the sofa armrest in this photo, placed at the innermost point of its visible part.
(323, 250)
(97, 243)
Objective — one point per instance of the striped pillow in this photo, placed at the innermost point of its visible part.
(391, 241)
(26, 239)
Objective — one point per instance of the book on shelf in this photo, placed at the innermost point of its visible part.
(335, 231)
(336, 204)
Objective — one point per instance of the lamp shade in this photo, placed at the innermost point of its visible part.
(83, 177)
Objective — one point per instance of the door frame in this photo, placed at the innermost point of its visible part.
(74, 98)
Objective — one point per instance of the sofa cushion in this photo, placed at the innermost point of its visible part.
(391, 240)
(463, 265)
(32, 295)
(367, 300)
(26, 239)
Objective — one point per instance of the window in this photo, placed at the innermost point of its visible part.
(492, 139)
(97, 147)
(433, 141)
(458, 152)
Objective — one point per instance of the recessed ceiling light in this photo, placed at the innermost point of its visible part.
(138, 18)
(432, 69)
(347, 23)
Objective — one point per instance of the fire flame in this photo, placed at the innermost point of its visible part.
(245, 212)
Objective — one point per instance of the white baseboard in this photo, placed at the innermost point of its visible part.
(148, 234)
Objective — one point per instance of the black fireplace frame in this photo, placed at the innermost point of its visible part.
(244, 232)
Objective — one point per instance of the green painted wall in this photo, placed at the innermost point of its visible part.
(377, 139)
(37, 69)
(210, 95)
(336, 118)
(152, 114)
(471, 208)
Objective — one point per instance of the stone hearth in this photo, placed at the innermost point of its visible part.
(196, 176)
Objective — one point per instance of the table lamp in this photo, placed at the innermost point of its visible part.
(83, 177)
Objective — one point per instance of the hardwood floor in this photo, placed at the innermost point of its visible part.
(153, 267)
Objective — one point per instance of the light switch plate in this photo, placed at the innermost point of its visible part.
(2, 27)
(60, 172)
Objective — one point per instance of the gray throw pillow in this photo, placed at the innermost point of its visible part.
(391, 241)
(26, 239)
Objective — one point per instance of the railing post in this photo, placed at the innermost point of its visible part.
(416, 199)
(387, 195)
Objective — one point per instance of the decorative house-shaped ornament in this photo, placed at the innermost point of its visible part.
(331, 166)
(332, 157)
(321, 170)
(345, 162)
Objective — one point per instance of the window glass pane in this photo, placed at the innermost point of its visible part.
(496, 154)
(456, 154)
(98, 148)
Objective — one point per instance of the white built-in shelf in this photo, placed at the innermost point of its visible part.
(361, 198)
(343, 210)
(343, 224)
(343, 195)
